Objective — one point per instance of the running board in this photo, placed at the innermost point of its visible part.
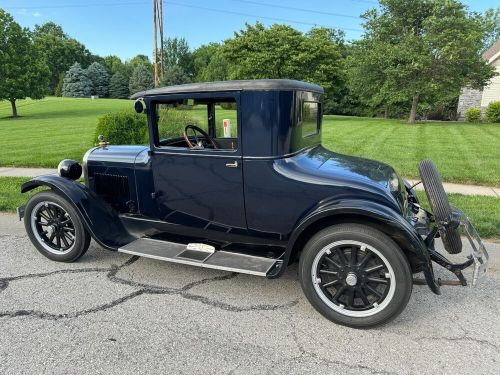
(200, 255)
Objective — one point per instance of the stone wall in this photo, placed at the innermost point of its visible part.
(468, 98)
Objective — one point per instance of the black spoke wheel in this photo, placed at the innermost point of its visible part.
(355, 275)
(55, 228)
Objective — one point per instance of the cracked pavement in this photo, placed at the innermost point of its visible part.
(113, 313)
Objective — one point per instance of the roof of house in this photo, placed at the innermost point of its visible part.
(492, 51)
(249, 85)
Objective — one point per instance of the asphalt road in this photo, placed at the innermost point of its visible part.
(112, 313)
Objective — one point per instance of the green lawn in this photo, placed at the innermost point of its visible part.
(463, 153)
(484, 212)
(56, 128)
(51, 129)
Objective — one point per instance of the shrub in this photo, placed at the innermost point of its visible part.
(473, 114)
(123, 128)
(172, 122)
(493, 112)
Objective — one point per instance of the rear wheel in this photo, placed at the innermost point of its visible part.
(441, 209)
(55, 228)
(355, 275)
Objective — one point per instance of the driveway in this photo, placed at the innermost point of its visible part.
(112, 313)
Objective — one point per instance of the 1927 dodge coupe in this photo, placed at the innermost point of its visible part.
(250, 189)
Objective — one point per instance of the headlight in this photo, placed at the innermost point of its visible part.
(69, 169)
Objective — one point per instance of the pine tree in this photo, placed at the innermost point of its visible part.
(175, 75)
(142, 79)
(100, 79)
(59, 87)
(118, 86)
(77, 84)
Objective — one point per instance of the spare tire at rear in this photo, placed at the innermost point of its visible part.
(440, 206)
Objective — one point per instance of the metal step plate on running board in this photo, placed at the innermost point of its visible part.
(200, 255)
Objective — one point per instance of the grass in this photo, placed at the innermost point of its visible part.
(10, 193)
(484, 212)
(51, 129)
(56, 128)
(463, 152)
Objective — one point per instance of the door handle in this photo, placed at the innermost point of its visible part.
(232, 165)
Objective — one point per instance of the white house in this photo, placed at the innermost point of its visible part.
(491, 93)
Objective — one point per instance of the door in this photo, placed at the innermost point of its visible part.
(200, 187)
(200, 190)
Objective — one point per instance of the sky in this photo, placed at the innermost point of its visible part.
(125, 27)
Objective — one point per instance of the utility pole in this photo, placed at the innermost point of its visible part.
(155, 49)
(162, 62)
(158, 25)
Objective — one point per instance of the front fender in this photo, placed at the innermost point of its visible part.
(98, 216)
(396, 224)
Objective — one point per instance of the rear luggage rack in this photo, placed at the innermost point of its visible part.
(479, 256)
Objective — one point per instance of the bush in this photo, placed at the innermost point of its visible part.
(473, 114)
(123, 128)
(172, 122)
(493, 112)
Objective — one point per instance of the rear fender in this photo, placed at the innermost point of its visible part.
(374, 212)
(99, 218)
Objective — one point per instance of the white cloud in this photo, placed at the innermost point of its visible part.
(25, 12)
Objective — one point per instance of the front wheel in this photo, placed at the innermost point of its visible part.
(55, 228)
(355, 275)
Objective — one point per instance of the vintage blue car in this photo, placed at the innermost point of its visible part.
(235, 178)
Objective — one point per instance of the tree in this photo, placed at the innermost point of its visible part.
(118, 86)
(100, 79)
(141, 79)
(415, 49)
(23, 72)
(280, 51)
(113, 64)
(176, 52)
(174, 75)
(491, 24)
(60, 51)
(59, 87)
(209, 63)
(77, 84)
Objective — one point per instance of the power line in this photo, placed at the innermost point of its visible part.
(296, 9)
(254, 15)
(88, 5)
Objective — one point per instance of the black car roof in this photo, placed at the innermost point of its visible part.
(247, 85)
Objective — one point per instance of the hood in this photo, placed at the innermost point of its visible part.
(123, 155)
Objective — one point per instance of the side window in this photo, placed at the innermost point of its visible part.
(218, 119)
(311, 119)
(172, 118)
(226, 120)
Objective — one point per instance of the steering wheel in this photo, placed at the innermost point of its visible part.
(199, 142)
